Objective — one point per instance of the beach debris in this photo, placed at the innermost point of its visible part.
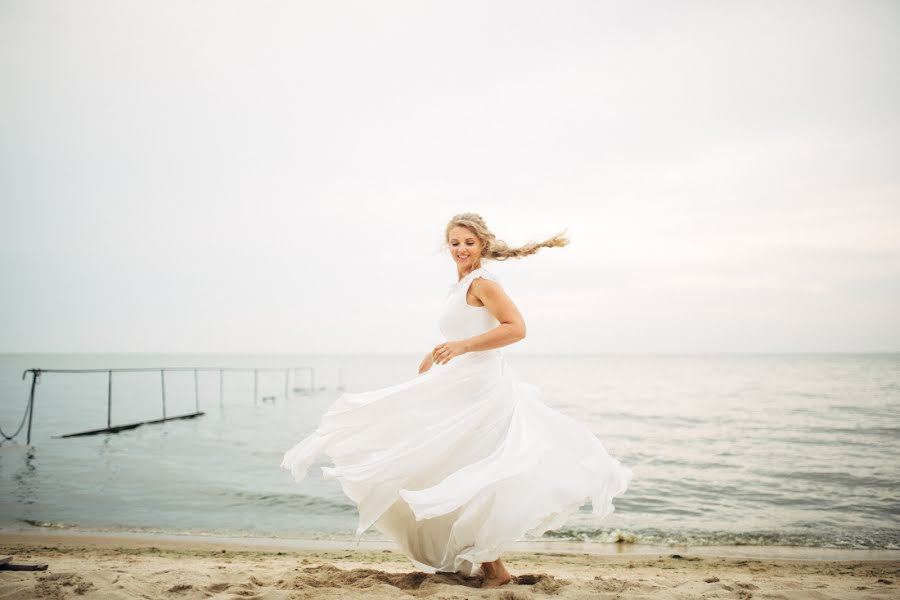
(6, 565)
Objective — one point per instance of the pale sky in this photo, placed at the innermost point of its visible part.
(217, 176)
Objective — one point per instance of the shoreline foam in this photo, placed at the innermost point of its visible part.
(102, 538)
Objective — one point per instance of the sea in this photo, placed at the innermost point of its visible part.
(726, 449)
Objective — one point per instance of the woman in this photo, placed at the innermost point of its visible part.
(460, 462)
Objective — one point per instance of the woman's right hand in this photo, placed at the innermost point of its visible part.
(426, 363)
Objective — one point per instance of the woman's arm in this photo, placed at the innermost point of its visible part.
(511, 328)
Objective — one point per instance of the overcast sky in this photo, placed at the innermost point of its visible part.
(216, 176)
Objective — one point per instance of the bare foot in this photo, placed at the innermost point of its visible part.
(495, 574)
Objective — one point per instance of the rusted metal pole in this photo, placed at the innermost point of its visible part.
(109, 399)
(34, 378)
(196, 393)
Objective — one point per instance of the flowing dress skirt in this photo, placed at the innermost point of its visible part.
(460, 462)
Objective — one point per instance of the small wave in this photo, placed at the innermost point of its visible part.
(107, 528)
(837, 478)
(695, 464)
(882, 540)
(299, 502)
(668, 420)
(47, 524)
(889, 432)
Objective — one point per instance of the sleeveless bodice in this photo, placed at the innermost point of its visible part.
(461, 320)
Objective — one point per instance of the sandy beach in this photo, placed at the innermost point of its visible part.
(102, 565)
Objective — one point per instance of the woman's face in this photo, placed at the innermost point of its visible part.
(465, 248)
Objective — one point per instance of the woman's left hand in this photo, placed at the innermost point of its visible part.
(442, 353)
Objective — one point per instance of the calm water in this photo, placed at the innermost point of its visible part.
(726, 449)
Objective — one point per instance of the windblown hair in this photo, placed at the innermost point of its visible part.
(494, 249)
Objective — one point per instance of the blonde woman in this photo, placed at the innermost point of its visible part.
(463, 460)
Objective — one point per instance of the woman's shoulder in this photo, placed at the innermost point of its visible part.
(483, 273)
(479, 273)
(470, 277)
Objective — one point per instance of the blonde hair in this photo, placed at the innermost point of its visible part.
(494, 249)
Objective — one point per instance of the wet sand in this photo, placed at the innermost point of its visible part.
(104, 565)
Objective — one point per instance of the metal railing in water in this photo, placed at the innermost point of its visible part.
(36, 375)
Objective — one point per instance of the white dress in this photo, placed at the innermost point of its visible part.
(463, 460)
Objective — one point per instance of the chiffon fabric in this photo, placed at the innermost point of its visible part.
(461, 461)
